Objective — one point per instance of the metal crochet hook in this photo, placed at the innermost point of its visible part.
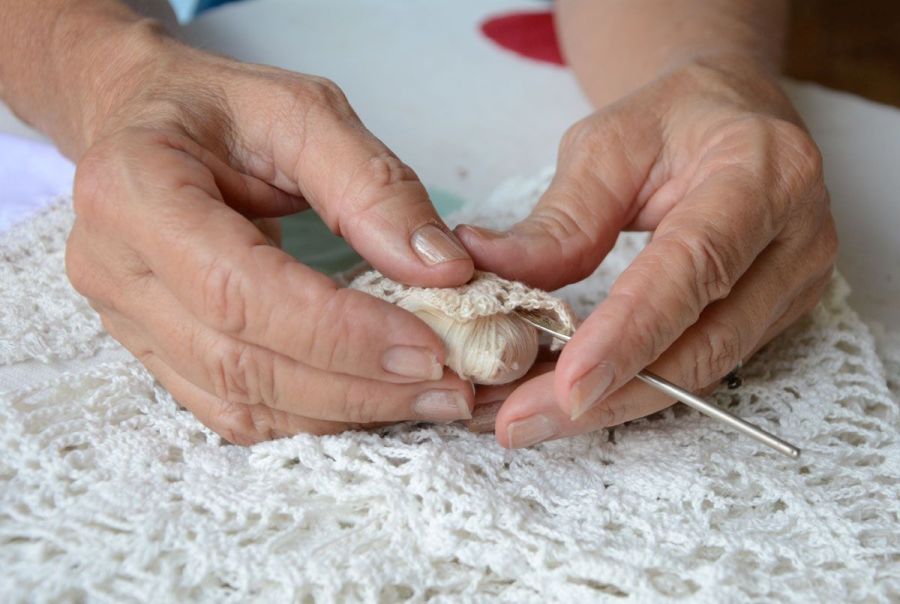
(670, 389)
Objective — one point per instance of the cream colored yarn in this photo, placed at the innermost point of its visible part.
(486, 342)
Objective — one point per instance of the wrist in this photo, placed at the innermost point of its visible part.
(98, 72)
(736, 79)
(616, 48)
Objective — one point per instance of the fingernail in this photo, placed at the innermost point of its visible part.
(441, 406)
(412, 362)
(531, 431)
(434, 245)
(591, 388)
(484, 232)
(484, 417)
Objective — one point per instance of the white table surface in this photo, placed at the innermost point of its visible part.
(467, 115)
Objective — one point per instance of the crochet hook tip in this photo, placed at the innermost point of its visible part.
(676, 392)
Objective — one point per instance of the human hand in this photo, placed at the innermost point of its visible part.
(180, 153)
(718, 165)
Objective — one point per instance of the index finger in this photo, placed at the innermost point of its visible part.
(698, 252)
(219, 266)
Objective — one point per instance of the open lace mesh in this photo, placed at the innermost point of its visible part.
(111, 492)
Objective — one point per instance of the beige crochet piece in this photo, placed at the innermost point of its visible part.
(485, 341)
(485, 295)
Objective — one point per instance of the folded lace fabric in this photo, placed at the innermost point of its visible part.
(486, 342)
(109, 491)
(484, 295)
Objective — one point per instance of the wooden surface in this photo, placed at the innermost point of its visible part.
(847, 45)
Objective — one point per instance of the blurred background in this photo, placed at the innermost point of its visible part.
(851, 45)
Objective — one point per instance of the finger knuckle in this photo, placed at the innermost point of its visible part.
(143, 354)
(359, 406)
(323, 94)
(243, 424)
(240, 375)
(575, 136)
(607, 414)
(589, 136)
(718, 352)
(779, 153)
(649, 327)
(710, 266)
(384, 171)
(222, 300)
(801, 160)
(333, 328)
(575, 238)
(382, 176)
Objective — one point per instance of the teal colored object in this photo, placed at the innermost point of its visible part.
(188, 9)
(445, 201)
(306, 238)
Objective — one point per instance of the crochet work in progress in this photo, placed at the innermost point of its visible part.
(485, 341)
(110, 492)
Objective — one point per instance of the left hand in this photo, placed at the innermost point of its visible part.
(718, 165)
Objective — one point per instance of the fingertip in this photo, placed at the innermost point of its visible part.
(522, 253)
(397, 327)
(448, 274)
(430, 257)
(464, 387)
(444, 258)
(588, 370)
(478, 240)
(491, 250)
(471, 234)
(534, 397)
(452, 273)
(484, 417)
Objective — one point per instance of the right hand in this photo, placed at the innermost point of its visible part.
(179, 155)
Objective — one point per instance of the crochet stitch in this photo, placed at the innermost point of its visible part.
(109, 491)
(486, 342)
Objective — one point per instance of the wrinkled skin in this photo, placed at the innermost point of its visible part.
(720, 168)
(183, 155)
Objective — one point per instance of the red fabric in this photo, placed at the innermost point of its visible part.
(529, 34)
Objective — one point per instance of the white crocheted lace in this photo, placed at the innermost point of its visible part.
(109, 492)
(485, 295)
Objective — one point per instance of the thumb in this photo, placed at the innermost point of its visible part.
(362, 191)
(576, 221)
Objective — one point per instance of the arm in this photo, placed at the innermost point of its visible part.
(617, 46)
(62, 62)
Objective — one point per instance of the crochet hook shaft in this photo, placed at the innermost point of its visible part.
(706, 408)
(691, 400)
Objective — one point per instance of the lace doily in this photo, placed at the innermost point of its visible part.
(110, 492)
